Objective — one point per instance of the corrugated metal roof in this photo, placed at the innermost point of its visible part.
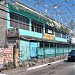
(25, 12)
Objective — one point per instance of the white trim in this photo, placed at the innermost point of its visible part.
(37, 67)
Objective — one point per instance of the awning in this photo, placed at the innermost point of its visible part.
(24, 12)
(29, 38)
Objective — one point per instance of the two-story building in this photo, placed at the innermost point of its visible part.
(35, 34)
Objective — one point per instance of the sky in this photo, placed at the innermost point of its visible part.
(62, 11)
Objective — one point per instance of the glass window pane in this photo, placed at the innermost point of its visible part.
(20, 19)
(16, 17)
(12, 16)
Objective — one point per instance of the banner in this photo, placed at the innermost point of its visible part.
(48, 37)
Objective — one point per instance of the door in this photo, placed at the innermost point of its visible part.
(33, 47)
(24, 50)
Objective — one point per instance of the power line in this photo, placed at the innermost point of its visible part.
(69, 4)
(60, 9)
(5, 11)
(68, 10)
(46, 9)
(11, 9)
(64, 13)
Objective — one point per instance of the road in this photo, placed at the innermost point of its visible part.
(61, 68)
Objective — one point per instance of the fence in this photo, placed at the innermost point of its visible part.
(52, 52)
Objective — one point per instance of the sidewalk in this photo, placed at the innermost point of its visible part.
(14, 71)
(23, 69)
(39, 66)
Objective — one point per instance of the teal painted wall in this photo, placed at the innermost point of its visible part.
(45, 52)
(30, 33)
(53, 51)
(24, 50)
(60, 39)
(40, 52)
(33, 47)
(59, 51)
(8, 17)
(49, 52)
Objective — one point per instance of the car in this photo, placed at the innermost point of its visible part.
(71, 55)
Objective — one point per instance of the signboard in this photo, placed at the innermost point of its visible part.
(49, 31)
(48, 37)
(12, 32)
(73, 40)
(6, 54)
(7, 51)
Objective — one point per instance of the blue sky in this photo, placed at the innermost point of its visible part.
(60, 10)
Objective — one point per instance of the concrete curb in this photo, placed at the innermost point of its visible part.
(37, 67)
(31, 68)
(2, 74)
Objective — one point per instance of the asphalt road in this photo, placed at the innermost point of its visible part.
(61, 68)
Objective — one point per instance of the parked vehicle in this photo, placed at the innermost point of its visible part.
(71, 56)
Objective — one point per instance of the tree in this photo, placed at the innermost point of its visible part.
(71, 25)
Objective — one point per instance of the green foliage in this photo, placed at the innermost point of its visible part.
(72, 24)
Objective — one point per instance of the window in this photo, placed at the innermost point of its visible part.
(51, 45)
(63, 35)
(41, 44)
(33, 26)
(20, 18)
(12, 16)
(27, 20)
(46, 44)
(24, 20)
(57, 34)
(48, 29)
(37, 27)
(58, 45)
(19, 21)
(16, 17)
(12, 23)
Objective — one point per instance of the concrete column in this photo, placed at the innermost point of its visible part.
(43, 28)
(61, 34)
(3, 24)
(55, 49)
(54, 31)
(30, 25)
(49, 45)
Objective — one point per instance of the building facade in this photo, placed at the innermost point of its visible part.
(34, 34)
